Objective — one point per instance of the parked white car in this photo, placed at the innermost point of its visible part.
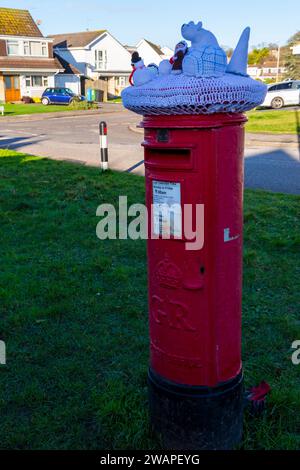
(283, 94)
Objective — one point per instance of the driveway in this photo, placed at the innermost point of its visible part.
(76, 138)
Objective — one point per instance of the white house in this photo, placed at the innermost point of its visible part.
(168, 52)
(150, 52)
(98, 56)
(254, 71)
(271, 71)
(268, 70)
(27, 64)
(296, 49)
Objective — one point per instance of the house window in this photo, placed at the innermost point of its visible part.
(34, 48)
(44, 49)
(8, 82)
(12, 47)
(36, 81)
(12, 82)
(101, 60)
(26, 48)
(122, 82)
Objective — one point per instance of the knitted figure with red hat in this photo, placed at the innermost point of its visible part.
(176, 61)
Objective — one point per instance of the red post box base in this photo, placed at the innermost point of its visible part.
(196, 418)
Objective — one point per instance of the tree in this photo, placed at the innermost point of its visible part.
(273, 46)
(292, 61)
(257, 56)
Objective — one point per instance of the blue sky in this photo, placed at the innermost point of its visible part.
(160, 20)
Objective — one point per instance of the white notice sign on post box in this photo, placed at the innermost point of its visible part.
(167, 212)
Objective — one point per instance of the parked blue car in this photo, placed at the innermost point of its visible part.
(60, 96)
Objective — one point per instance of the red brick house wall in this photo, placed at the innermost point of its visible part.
(2, 48)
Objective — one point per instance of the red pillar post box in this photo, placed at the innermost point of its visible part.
(195, 375)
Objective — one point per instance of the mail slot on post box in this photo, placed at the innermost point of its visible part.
(194, 145)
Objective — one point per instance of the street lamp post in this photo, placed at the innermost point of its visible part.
(278, 63)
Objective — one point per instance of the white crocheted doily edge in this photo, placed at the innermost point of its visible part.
(181, 94)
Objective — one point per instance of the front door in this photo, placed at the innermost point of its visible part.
(12, 88)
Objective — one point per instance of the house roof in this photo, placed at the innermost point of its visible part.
(155, 47)
(29, 63)
(270, 64)
(68, 68)
(75, 39)
(130, 49)
(15, 22)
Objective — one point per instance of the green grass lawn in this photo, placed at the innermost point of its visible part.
(275, 122)
(35, 108)
(74, 312)
(115, 100)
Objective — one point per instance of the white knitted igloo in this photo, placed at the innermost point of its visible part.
(206, 61)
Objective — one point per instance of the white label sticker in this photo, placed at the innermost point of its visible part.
(167, 213)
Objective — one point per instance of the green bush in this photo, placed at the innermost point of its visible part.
(76, 105)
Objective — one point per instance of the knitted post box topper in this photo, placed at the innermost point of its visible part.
(206, 85)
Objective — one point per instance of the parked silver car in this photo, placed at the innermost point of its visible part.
(283, 94)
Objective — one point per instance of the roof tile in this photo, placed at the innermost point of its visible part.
(155, 47)
(22, 63)
(15, 22)
(67, 40)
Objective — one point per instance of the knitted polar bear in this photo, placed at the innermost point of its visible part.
(198, 36)
(205, 58)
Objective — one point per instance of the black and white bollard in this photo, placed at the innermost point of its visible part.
(103, 146)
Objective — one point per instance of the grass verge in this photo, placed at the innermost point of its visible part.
(274, 122)
(74, 312)
(115, 100)
(37, 108)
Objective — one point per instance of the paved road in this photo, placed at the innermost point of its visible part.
(275, 168)
(75, 138)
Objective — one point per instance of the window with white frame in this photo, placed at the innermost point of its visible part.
(12, 47)
(26, 48)
(101, 60)
(44, 49)
(35, 48)
(36, 81)
(122, 82)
